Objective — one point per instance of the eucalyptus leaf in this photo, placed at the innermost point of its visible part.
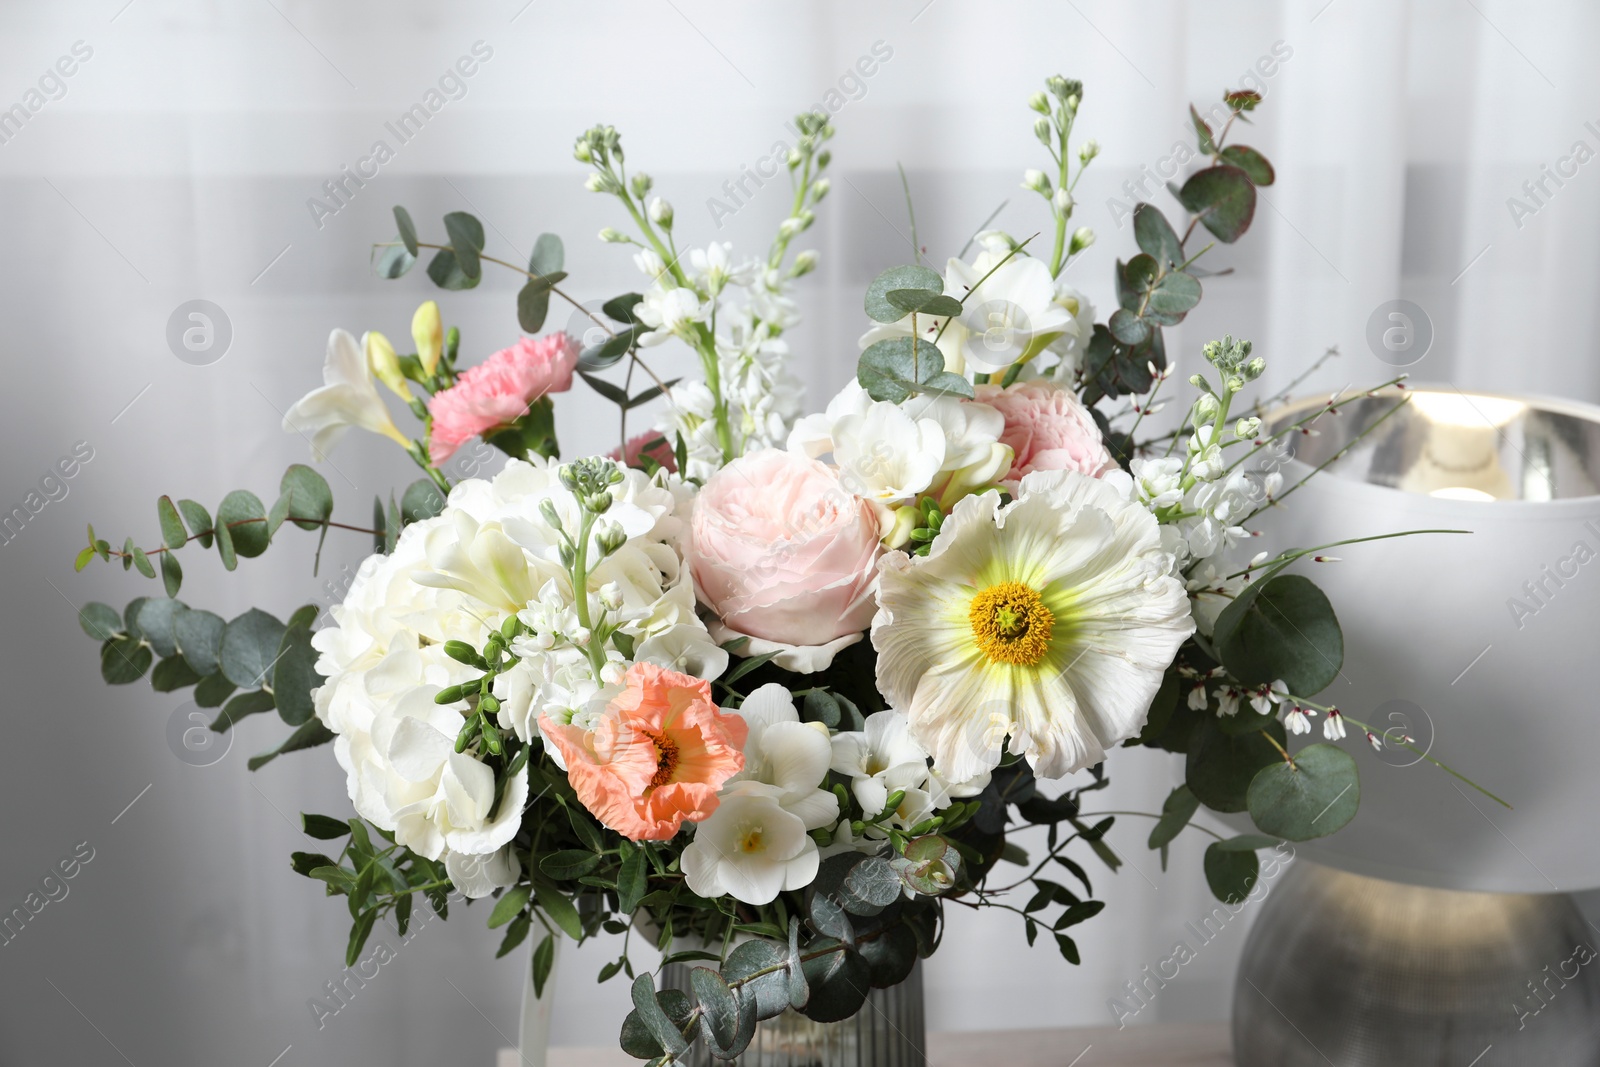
(295, 675)
(1176, 811)
(533, 304)
(310, 735)
(421, 500)
(171, 573)
(1312, 797)
(213, 690)
(172, 674)
(446, 272)
(877, 304)
(250, 644)
(408, 229)
(1155, 235)
(124, 660)
(310, 501)
(1231, 874)
(771, 989)
(1220, 767)
(99, 621)
(1174, 295)
(244, 516)
(655, 1018)
(155, 617)
(1281, 627)
(172, 532)
(548, 254)
(198, 635)
(924, 302)
(242, 705)
(1253, 163)
(466, 241)
(719, 1011)
(1127, 327)
(1224, 198)
(393, 262)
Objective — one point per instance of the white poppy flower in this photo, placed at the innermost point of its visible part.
(1050, 621)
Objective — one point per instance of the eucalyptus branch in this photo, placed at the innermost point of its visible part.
(119, 554)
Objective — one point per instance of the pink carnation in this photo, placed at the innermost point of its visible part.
(1048, 429)
(661, 451)
(499, 391)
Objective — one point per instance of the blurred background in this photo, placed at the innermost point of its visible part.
(1433, 151)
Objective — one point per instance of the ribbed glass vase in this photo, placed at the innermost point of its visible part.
(888, 1031)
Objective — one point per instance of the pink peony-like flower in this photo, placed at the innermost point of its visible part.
(657, 757)
(1048, 429)
(781, 551)
(499, 391)
(661, 451)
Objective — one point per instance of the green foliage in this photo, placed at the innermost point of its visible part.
(1281, 627)
(903, 280)
(1231, 874)
(901, 367)
(1312, 797)
(1220, 766)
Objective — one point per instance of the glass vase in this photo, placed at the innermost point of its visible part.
(888, 1031)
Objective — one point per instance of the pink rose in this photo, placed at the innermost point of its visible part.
(780, 551)
(499, 391)
(1048, 429)
(651, 443)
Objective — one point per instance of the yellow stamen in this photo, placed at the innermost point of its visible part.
(751, 841)
(1011, 624)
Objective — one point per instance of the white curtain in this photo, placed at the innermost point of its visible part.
(180, 158)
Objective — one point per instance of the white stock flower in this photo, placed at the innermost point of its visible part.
(348, 397)
(669, 313)
(1159, 480)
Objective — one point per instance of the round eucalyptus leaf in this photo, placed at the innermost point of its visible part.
(877, 304)
(245, 518)
(1231, 875)
(124, 660)
(421, 500)
(1312, 797)
(1282, 628)
(199, 638)
(890, 956)
(1220, 766)
(771, 990)
(840, 981)
(99, 621)
(295, 676)
(1224, 198)
(249, 645)
(310, 500)
(156, 617)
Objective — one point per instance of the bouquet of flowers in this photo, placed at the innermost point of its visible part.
(774, 689)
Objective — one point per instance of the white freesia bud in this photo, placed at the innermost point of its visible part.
(804, 264)
(611, 236)
(661, 212)
(1040, 103)
(1036, 180)
(1061, 200)
(1088, 152)
(1082, 238)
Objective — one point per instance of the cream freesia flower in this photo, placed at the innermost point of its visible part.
(1049, 621)
(348, 397)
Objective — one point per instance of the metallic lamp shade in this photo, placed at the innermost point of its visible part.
(1480, 646)
(1359, 972)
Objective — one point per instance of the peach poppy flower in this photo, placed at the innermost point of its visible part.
(657, 757)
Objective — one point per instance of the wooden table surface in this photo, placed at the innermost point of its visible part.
(1163, 1045)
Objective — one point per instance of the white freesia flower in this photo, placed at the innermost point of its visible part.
(348, 397)
(1070, 346)
(886, 455)
(882, 759)
(791, 755)
(751, 848)
(1008, 315)
(1049, 621)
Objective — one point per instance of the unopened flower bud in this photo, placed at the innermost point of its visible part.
(1206, 408)
(548, 510)
(1082, 238)
(790, 227)
(385, 364)
(595, 182)
(1246, 428)
(428, 333)
(661, 213)
(580, 151)
(611, 596)
(823, 159)
(1036, 180)
(795, 158)
(1041, 130)
(1061, 200)
(1088, 152)
(819, 189)
(804, 264)
(1072, 103)
(1040, 103)
(1254, 368)
(640, 184)
(612, 236)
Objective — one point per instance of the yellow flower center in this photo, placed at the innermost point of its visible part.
(751, 841)
(1011, 624)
